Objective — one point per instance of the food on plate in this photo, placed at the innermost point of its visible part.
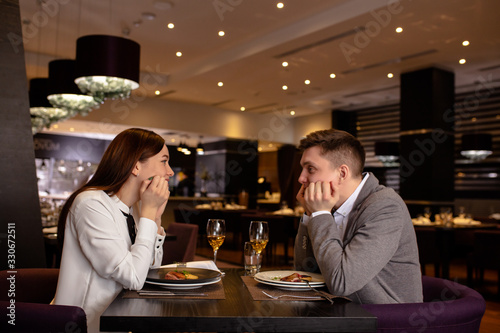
(296, 277)
(176, 275)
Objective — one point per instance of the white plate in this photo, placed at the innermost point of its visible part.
(273, 278)
(183, 286)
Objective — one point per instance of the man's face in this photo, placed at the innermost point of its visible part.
(316, 168)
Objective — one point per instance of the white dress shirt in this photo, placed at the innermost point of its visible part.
(98, 258)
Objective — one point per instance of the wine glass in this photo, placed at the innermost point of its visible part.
(259, 236)
(216, 233)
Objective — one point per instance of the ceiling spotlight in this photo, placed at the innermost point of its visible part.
(333, 76)
(292, 113)
(284, 64)
(170, 26)
(284, 87)
(157, 92)
(307, 82)
(462, 61)
(399, 30)
(465, 43)
(148, 16)
(280, 5)
(390, 75)
(178, 53)
(221, 33)
(220, 83)
(242, 108)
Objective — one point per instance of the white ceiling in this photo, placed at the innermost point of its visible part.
(354, 39)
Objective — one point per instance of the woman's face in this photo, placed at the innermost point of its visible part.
(157, 165)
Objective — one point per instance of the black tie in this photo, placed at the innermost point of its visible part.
(131, 226)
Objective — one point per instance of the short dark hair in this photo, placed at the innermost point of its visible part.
(339, 147)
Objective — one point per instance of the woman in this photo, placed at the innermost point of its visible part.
(99, 258)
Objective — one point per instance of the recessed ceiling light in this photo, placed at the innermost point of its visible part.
(260, 148)
(284, 64)
(462, 61)
(284, 87)
(71, 129)
(465, 43)
(56, 126)
(292, 113)
(307, 82)
(332, 75)
(280, 5)
(157, 92)
(242, 108)
(148, 16)
(170, 25)
(220, 83)
(270, 145)
(390, 75)
(162, 4)
(172, 140)
(221, 33)
(399, 30)
(178, 53)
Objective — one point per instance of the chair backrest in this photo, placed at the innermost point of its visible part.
(34, 289)
(184, 247)
(33, 285)
(448, 307)
(486, 247)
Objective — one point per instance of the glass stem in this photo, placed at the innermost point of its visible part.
(215, 257)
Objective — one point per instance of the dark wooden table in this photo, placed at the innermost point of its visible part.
(448, 236)
(237, 313)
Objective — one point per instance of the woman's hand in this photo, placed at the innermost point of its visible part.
(154, 196)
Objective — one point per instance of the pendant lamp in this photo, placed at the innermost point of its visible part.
(476, 146)
(63, 91)
(387, 152)
(43, 114)
(107, 66)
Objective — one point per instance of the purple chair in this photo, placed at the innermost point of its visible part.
(183, 248)
(34, 289)
(448, 307)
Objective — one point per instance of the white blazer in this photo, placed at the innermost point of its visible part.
(98, 258)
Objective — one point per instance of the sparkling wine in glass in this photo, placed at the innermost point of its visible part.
(216, 233)
(259, 236)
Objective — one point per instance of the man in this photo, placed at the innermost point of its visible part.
(367, 249)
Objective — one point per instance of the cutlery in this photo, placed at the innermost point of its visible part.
(168, 293)
(302, 297)
(325, 295)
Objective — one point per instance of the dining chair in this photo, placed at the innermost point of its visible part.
(183, 248)
(25, 301)
(448, 307)
(485, 255)
(428, 249)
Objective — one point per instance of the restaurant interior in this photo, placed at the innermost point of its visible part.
(232, 87)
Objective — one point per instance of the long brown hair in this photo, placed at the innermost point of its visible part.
(117, 163)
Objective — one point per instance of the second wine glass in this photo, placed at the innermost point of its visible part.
(216, 233)
(259, 236)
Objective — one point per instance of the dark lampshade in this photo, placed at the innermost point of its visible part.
(62, 77)
(38, 91)
(386, 148)
(476, 146)
(480, 141)
(102, 55)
